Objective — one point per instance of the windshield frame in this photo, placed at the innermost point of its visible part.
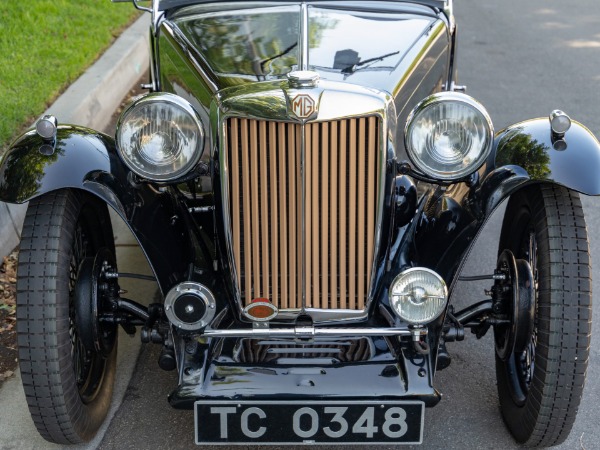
(164, 5)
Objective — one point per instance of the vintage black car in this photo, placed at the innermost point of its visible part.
(306, 180)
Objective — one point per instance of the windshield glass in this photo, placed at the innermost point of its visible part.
(262, 43)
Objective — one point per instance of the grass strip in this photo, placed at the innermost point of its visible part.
(44, 46)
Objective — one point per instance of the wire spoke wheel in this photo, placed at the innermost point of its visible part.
(67, 382)
(540, 383)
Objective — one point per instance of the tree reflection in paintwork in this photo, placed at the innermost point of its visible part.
(22, 171)
(227, 375)
(521, 149)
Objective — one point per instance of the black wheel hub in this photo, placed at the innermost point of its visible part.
(514, 303)
(93, 294)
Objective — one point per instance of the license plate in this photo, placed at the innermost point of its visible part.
(309, 422)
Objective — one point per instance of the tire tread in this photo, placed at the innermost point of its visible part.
(563, 317)
(42, 321)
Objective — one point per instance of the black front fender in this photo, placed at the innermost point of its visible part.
(32, 167)
(81, 158)
(527, 152)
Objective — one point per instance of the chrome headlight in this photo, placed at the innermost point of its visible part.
(160, 137)
(418, 295)
(448, 135)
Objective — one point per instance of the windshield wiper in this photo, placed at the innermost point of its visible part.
(354, 67)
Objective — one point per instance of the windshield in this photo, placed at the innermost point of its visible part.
(262, 43)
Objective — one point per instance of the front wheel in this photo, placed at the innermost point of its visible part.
(540, 384)
(67, 377)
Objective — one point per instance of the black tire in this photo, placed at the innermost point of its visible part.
(61, 229)
(540, 388)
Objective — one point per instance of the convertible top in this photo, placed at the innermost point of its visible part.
(168, 4)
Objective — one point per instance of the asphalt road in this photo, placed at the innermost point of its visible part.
(521, 60)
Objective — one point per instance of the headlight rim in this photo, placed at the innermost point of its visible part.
(173, 99)
(442, 97)
(419, 269)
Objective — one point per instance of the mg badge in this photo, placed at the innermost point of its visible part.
(303, 106)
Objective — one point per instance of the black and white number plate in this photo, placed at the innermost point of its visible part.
(294, 422)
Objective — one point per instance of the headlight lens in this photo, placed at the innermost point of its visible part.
(418, 295)
(449, 135)
(160, 137)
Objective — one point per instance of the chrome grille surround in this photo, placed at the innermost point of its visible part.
(265, 107)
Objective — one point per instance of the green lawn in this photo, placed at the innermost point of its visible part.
(44, 46)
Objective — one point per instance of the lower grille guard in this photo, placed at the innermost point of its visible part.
(213, 370)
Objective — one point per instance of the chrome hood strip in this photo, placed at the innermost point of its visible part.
(303, 37)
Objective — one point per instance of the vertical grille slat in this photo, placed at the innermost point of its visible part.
(343, 179)
(235, 193)
(308, 187)
(324, 191)
(371, 194)
(264, 210)
(352, 195)
(361, 230)
(316, 209)
(274, 211)
(283, 217)
(334, 298)
(246, 271)
(302, 207)
(255, 212)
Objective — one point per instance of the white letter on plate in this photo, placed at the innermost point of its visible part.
(261, 430)
(223, 411)
(314, 422)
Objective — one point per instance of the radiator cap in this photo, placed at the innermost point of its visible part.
(303, 78)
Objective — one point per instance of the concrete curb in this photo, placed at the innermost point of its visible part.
(90, 101)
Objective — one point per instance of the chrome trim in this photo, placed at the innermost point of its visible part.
(185, 45)
(303, 78)
(441, 97)
(248, 308)
(557, 128)
(303, 38)
(311, 332)
(303, 218)
(164, 97)
(46, 127)
(338, 101)
(406, 273)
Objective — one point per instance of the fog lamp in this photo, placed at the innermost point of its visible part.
(418, 295)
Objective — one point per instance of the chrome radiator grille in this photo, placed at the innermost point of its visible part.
(307, 232)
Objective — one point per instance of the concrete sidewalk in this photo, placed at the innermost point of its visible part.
(90, 101)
